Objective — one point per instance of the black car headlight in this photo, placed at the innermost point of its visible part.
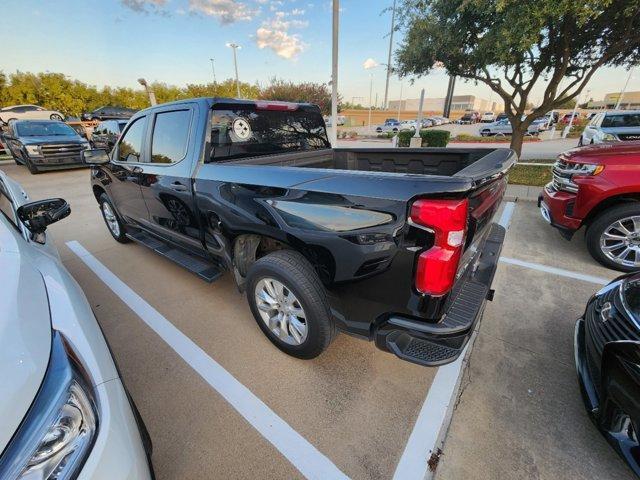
(58, 431)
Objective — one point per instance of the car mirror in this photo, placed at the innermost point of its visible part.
(97, 156)
(36, 216)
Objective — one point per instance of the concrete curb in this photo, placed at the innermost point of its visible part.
(522, 192)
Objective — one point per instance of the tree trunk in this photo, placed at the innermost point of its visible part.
(517, 137)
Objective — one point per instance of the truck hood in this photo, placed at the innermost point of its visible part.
(48, 139)
(25, 336)
(602, 152)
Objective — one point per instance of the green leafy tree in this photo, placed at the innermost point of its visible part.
(513, 46)
(316, 93)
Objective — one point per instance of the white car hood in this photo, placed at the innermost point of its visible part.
(25, 336)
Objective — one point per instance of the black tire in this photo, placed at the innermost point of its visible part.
(580, 142)
(297, 275)
(600, 224)
(121, 235)
(55, 116)
(484, 133)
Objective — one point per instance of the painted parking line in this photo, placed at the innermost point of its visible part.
(295, 448)
(556, 271)
(435, 414)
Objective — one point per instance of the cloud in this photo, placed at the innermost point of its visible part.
(284, 45)
(370, 63)
(226, 11)
(144, 6)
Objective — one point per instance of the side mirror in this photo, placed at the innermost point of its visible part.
(36, 216)
(96, 156)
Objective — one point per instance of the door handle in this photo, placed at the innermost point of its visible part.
(178, 187)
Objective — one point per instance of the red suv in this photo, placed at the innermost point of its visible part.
(598, 187)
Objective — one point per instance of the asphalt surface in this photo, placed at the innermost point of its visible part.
(519, 412)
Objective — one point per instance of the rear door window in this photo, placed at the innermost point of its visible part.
(130, 146)
(170, 136)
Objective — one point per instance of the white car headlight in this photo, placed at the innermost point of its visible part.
(609, 137)
(33, 150)
(58, 431)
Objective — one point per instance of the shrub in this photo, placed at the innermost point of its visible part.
(430, 138)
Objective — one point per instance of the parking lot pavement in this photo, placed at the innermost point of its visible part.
(520, 413)
(354, 404)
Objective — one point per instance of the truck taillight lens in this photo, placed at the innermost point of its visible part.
(437, 266)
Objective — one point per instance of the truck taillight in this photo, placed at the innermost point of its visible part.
(277, 106)
(437, 266)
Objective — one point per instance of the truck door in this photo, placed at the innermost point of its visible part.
(166, 178)
(126, 166)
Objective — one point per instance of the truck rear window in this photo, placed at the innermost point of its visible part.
(239, 131)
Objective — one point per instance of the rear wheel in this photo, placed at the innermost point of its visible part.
(112, 220)
(289, 304)
(613, 238)
(55, 116)
(484, 133)
(580, 141)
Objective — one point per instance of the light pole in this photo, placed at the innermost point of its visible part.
(334, 71)
(213, 69)
(386, 86)
(235, 47)
(152, 96)
(400, 101)
(573, 114)
(370, 92)
(624, 89)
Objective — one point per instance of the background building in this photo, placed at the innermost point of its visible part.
(460, 103)
(630, 101)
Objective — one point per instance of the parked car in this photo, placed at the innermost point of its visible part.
(394, 128)
(541, 123)
(566, 118)
(607, 358)
(45, 144)
(488, 117)
(437, 121)
(613, 126)
(428, 122)
(391, 121)
(502, 116)
(470, 118)
(341, 120)
(65, 411)
(396, 246)
(106, 134)
(444, 120)
(598, 188)
(503, 127)
(109, 113)
(28, 112)
(408, 125)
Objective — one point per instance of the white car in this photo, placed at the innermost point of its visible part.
(394, 128)
(65, 411)
(28, 112)
(503, 127)
(488, 117)
(408, 125)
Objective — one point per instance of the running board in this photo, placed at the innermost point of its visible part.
(208, 271)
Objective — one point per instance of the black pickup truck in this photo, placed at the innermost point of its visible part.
(391, 245)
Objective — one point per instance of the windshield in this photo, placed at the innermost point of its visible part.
(622, 120)
(239, 131)
(43, 129)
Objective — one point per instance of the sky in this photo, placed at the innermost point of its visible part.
(115, 42)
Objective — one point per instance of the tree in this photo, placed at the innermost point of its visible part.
(316, 93)
(514, 45)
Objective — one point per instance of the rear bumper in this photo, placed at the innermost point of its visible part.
(434, 344)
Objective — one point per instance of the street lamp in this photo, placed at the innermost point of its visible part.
(213, 69)
(624, 89)
(152, 96)
(369, 64)
(235, 47)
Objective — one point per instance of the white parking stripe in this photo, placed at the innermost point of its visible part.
(435, 414)
(304, 456)
(556, 271)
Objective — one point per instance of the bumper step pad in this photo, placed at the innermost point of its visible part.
(418, 350)
(208, 271)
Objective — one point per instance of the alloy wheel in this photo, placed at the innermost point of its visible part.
(281, 311)
(111, 219)
(620, 241)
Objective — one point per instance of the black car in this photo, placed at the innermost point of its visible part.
(109, 113)
(106, 134)
(44, 144)
(607, 355)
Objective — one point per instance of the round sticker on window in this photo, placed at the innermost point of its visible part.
(241, 128)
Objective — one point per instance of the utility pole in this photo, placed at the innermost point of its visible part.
(152, 96)
(567, 129)
(235, 47)
(213, 69)
(370, 93)
(386, 87)
(334, 72)
(400, 101)
(624, 89)
(416, 140)
(449, 98)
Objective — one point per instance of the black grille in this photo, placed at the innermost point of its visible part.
(61, 153)
(618, 326)
(629, 136)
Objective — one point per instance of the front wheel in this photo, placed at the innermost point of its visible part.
(288, 302)
(484, 133)
(580, 141)
(112, 220)
(613, 238)
(55, 116)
